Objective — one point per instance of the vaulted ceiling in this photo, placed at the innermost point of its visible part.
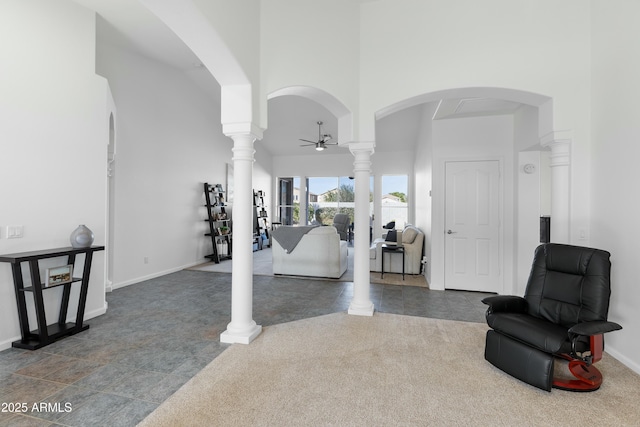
(129, 25)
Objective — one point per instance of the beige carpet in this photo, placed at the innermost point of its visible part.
(385, 370)
(262, 266)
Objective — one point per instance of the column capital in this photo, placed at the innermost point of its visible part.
(361, 146)
(243, 149)
(233, 130)
(556, 136)
(560, 144)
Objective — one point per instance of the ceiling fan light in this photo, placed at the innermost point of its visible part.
(319, 147)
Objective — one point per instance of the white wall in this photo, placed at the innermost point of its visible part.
(528, 217)
(530, 190)
(238, 24)
(322, 164)
(423, 178)
(307, 43)
(263, 177)
(54, 126)
(428, 45)
(615, 207)
(169, 142)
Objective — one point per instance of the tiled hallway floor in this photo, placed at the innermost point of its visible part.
(158, 334)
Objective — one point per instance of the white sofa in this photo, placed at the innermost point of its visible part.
(319, 253)
(412, 240)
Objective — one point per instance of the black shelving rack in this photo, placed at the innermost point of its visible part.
(260, 221)
(220, 223)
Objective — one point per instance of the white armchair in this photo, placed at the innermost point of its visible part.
(319, 253)
(412, 240)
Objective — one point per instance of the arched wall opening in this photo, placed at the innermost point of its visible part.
(481, 123)
(293, 115)
(328, 101)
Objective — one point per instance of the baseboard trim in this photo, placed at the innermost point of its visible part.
(623, 359)
(129, 282)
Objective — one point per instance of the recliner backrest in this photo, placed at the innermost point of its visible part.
(569, 284)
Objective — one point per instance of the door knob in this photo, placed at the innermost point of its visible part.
(451, 232)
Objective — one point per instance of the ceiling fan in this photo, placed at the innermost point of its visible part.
(321, 143)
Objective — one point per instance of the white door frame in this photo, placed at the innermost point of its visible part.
(110, 190)
(473, 281)
(438, 222)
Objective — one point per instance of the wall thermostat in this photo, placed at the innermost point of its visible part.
(529, 168)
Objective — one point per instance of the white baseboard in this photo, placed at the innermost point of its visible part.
(4, 345)
(153, 275)
(623, 359)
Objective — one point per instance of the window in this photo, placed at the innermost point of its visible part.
(289, 200)
(331, 195)
(394, 200)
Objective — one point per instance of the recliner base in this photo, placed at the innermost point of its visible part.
(587, 377)
(535, 367)
(519, 360)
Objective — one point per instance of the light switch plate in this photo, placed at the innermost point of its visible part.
(15, 231)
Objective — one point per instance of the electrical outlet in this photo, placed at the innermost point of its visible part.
(583, 235)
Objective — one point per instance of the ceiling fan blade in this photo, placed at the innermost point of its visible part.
(306, 140)
(307, 145)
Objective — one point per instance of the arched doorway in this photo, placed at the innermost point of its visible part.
(457, 126)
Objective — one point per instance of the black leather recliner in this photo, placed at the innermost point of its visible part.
(563, 314)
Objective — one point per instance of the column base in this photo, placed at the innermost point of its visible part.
(243, 337)
(361, 310)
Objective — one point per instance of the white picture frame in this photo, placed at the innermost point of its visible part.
(59, 275)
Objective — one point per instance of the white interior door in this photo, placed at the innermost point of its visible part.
(472, 226)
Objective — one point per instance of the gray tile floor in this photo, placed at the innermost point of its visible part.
(158, 334)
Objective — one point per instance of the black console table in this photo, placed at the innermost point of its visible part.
(46, 334)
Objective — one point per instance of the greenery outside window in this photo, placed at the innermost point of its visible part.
(394, 202)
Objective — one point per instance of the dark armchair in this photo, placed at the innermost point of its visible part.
(341, 223)
(563, 314)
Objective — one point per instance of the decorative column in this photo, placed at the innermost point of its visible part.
(560, 144)
(243, 328)
(361, 304)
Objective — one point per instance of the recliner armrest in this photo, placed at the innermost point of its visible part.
(506, 303)
(593, 328)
